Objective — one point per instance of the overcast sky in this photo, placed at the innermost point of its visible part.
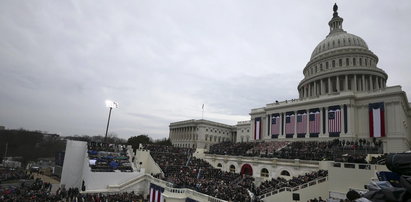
(161, 60)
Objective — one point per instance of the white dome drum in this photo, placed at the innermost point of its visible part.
(341, 62)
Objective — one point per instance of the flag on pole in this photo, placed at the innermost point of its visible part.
(376, 119)
(289, 123)
(155, 193)
(257, 128)
(302, 122)
(275, 124)
(334, 120)
(202, 107)
(314, 122)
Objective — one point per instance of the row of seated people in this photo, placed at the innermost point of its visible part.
(39, 191)
(101, 146)
(279, 182)
(108, 160)
(7, 174)
(264, 148)
(167, 149)
(351, 151)
(185, 171)
(228, 148)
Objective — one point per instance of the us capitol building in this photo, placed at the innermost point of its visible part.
(343, 95)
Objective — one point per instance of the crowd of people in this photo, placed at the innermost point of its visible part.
(108, 157)
(279, 182)
(335, 150)
(18, 185)
(7, 174)
(316, 200)
(186, 171)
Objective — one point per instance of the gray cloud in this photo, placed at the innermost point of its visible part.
(161, 61)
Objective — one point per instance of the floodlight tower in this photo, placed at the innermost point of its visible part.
(110, 104)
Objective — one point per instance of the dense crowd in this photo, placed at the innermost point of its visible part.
(279, 182)
(185, 171)
(108, 157)
(21, 187)
(247, 148)
(335, 150)
(7, 174)
(316, 200)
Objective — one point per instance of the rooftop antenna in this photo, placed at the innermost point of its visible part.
(202, 114)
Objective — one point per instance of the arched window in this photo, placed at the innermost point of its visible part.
(232, 169)
(354, 61)
(333, 63)
(264, 172)
(340, 62)
(219, 165)
(285, 173)
(347, 62)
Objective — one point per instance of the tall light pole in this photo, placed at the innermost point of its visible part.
(110, 104)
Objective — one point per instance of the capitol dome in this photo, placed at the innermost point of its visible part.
(341, 62)
(338, 40)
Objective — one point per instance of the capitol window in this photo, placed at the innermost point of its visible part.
(340, 62)
(264, 172)
(232, 169)
(347, 62)
(285, 173)
(326, 65)
(333, 63)
(354, 62)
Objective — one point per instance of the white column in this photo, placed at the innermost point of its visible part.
(370, 82)
(346, 83)
(307, 134)
(351, 119)
(322, 87)
(337, 80)
(380, 82)
(363, 83)
(329, 85)
(342, 119)
(355, 83)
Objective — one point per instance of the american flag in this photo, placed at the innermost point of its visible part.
(314, 122)
(376, 119)
(257, 129)
(302, 123)
(289, 123)
(155, 193)
(334, 121)
(275, 124)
